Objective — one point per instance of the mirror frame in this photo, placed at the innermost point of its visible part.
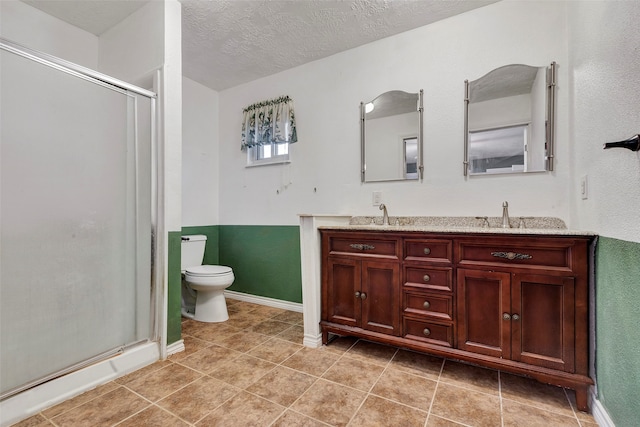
(363, 164)
(550, 125)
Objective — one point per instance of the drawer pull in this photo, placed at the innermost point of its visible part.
(427, 251)
(363, 295)
(515, 317)
(506, 316)
(511, 255)
(426, 332)
(426, 278)
(426, 304)
(362, 246)
(357, 294)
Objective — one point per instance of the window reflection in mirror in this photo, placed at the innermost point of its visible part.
(391, 127)
(509, 120)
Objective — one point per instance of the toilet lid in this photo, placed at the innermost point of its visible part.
(208, 270)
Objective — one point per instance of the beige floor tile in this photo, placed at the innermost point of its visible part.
(294, 419)
(242, 306)
(372, 352)
(199, 398)
(153, 417)
(34, 421)
(435, 421)
(242, 371)
(526, 390)
(472, 377)
(295, 334)
(164, 382)
(208, 359)
(466, 406)
(417, 363)
(269, 312)
(275, 350)
(79, 400)
(354, 373)
(244, 319)
(380, 412)
(314, 361)
(282, 385)
(270, 327)
(191, 345)
(105, 410)
(406, 388)
(244, 409)
(292, 317)
(143, 372)
(243, 341)
(515, 415)
(341, 344)
(328, 402)
(213, 332)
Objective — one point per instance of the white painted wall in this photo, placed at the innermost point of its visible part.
(324, 174)
(605, 64)
(133, 49)
(32, 28)
(200, 157)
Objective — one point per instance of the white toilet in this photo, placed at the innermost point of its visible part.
(203, 285)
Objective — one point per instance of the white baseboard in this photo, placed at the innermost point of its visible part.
(312, 341)
(270, 302)
(599, 413)
(175, 347)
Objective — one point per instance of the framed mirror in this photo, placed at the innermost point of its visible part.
(510, 120)
(391, 137)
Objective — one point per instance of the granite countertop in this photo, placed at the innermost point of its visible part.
(533, 225)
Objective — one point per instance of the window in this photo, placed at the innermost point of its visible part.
(268, 129)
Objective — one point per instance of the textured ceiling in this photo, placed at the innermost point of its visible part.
(229, 42)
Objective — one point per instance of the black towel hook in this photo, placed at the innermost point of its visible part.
(632, 144)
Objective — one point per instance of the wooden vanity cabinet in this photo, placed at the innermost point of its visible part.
(517, 303)
(361, 282)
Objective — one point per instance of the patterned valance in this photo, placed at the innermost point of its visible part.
(269, 122)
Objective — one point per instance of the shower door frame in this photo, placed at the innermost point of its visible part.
(157, 283)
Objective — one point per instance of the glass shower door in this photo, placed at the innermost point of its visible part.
(75, 214)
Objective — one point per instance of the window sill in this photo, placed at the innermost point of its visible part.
(268, 163)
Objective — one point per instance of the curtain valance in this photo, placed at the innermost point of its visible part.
(269, 122)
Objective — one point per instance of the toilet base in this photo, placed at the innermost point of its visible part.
(211, 307)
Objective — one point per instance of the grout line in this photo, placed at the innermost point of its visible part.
(500, 398)
(435, 391)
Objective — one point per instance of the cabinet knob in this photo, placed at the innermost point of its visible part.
(426, 278)
(363, 295)
(357, 294)
(516, 317)
(506, 316)
(426, 304)
(426, 332)
(427, 251)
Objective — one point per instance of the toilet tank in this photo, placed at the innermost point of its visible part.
(192, 249)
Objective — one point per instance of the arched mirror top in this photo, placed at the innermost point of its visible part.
(391, 137)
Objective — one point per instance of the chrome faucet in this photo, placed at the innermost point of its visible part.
(505, 215)
(385, 215)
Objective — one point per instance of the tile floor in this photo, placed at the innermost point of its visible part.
(253, 371)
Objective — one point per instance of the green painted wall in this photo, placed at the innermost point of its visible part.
(265, 260)
(174, 298)
(618, 329)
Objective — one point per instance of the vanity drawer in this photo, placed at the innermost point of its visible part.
(431, 250)
(365, 245)
(541, 253)
(429, 332)
(437, 279)
(428, 304)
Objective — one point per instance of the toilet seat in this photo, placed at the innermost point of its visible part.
(208, 271)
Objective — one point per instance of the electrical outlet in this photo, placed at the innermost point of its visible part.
(584, 187)
(376, 198)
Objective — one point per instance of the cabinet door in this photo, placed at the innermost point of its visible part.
(380, 295)
(543, 321)
(340, 304)
(483, 299)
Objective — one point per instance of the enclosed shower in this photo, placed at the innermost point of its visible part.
(77, 213)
